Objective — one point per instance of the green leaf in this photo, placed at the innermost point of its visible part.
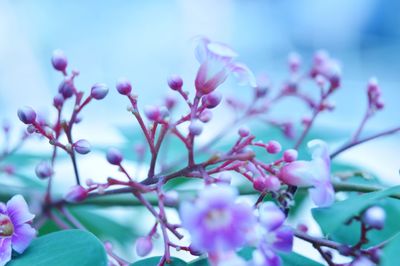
(64, 248)
(294, 259)
(342, 211)
(155, 260)
(390, 253)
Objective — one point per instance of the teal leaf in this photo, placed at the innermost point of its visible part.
(155, 260)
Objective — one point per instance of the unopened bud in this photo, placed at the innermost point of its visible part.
(114, 156)
(27, 115)
(244, 132)
(195, 127)
(212, 100)
(294, 61)
(123, 86)
(260, 184)
(66, 89)
(82, 146)
(205, 116)
(144, 246)
(59, 60)
(290, 155)
(44, 170)
(99, 91)
(58, 100)
(76, 194)
(273, 147)
(374, 217)
(175, 82)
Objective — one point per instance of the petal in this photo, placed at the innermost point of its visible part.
(200, 51)
(221, 50)
(319, 150)
(5, 250)
(271, 217)
(3, 208)
(22, 237)
(298, 173)
(18, 210)
(323, 194)
(244, 75)
(283, 239)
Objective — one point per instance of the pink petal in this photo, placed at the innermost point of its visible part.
(201, 50)
(18, 211)
(298, 173)
(244, 75)
(5, 250)
(22, 237)
(221, 50)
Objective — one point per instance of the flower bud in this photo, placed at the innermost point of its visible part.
(144, 246)
(170, 102)
(27, 115)
(99, 91)
(374, 217)
(260, 184)
(114, 156)
(76, 194)
(290, 155)
(59, 60)
(272, 183)
(244, 132)
(82, 146)
(44, 170)
(175, 82)
(273, 147)
(66, 89)
(123, 86)
(294, 61)
(195, 127)
(205, 116)
(212, 100)
(152, 112)
(58, 100)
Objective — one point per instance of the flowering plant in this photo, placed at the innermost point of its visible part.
(210, 202)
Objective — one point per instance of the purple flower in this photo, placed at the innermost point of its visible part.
(315, 173)
(217, 63)
(15, 231)
(271, 236)
(215, 221)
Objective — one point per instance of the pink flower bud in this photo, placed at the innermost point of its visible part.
(82, 146)
(66, 89)
(374, 217)
(99, 91)
(58, 100)
(294, 61)
(76, 194)
(59, 60)
(195, 127)
(244, 132)
(170, 102)
(114, 156)
(175, 82)
(144, 246)
(260, 184)
(27, 115)
(290, 155)
(273, 147)
(123, 86)
(272, 183)
(152, 112)
(44, 170)
(212, 100)
(205, 116)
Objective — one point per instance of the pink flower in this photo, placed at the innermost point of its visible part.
(314, 173)
(216, 222)
(217, 62)
(15, 231)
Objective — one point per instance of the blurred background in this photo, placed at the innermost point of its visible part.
(146, 41)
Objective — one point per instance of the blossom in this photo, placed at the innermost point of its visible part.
(217, 62)
(15, 231)
(314, 173)
(216, 222)
(271, 236)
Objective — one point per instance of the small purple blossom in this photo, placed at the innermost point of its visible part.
(44, 170)
(82, 146)
(124, 86)
(315, 173)
(217, 62)
(215, 221)
(15, 231)
(271, 236)
(144, 246)
(59, 60)
(175, 82)
(99, 91)
(27, 115)
(374, 217)
(114, 156)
